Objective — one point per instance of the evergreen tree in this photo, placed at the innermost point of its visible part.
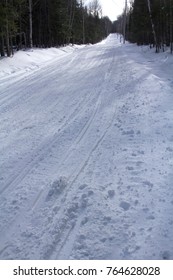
(150, 22)
(47, 23)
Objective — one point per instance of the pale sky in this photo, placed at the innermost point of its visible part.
(112, 8)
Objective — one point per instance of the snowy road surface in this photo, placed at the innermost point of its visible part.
(86, 157)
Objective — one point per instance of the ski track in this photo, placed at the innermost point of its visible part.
(28, 168)
(88, 182)
(43, 147)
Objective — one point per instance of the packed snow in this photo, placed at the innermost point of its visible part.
(86, 153)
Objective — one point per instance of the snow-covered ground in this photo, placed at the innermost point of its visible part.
(86, 153)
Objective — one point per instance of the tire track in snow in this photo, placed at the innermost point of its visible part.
(81, 135)
(67, 199)
(70, 234)
(45, 148)
(77, 141)
(42, 150)
(74, 176)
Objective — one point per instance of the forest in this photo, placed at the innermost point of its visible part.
(50, 23)
(148, 22)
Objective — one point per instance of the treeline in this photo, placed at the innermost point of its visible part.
(148, 22)
(50, 23)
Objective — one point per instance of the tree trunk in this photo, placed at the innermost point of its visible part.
(2, 52)
(171, 44)
(124, 22)
(152, 25)
(71, 18)
(11, 45)
(7, 39)
(83, 27)
(30, 24)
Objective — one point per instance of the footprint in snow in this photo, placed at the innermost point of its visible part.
(125, 205)
(83, 186)
(150, 217)
(147, 183)
(57, 188)
(111, 193)
(129, 168)
(128, 132)
(84, 221)
(84, 201)
(72, 211)
(139, 163)
(86, 195)
(106, 220)
(166, 255)
(141, 152)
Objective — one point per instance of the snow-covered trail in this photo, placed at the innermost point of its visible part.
(86, 158)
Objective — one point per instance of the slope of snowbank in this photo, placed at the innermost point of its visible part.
(30, 60)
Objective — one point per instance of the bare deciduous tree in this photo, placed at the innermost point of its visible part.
(152, 25)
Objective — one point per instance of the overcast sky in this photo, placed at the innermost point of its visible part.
(112, 8)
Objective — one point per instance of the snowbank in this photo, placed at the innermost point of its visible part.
(30, 60)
